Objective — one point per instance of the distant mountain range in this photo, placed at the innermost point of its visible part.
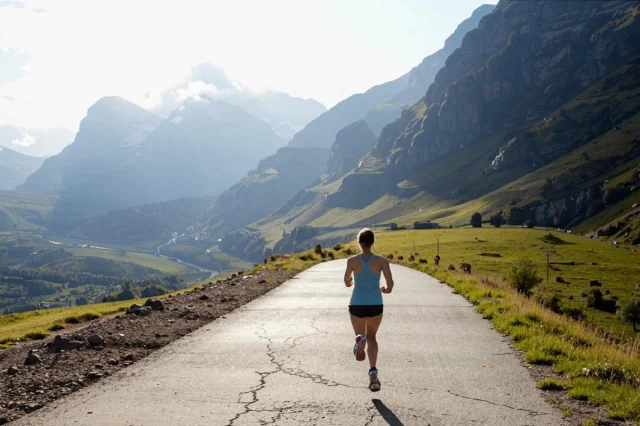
(285, 114)
(15, 167)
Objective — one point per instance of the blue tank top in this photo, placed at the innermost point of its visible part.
(366, 289)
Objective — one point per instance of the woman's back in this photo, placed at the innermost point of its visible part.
(367, 281)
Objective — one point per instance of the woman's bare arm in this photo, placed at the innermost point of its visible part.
(386, 270)
(348, 279)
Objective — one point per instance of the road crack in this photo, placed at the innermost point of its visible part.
(531, 412)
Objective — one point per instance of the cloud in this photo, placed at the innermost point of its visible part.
(24, 141)
(205, 79)
(12, 3)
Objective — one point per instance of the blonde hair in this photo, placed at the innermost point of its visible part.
(366, 237)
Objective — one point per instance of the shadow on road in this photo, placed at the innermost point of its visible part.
(386, 413)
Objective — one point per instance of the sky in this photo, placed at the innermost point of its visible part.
(58, 57)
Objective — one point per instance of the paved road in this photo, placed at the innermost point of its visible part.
(286, 359)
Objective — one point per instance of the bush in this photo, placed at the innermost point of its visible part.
(630, 312)
(318, 249)
(337, 247)
(305, 257)
(524, 276)
(332, 255)
(497, 220)
(412, 258)
(423, 261)
(574, 312)
(81, 301)
(323, 254)
(451, 268)
(393, 226)
(349, 251)
(595, 283)
(72, 320)
(596, 300)
(35, 335)
(89, 316)
(476, 220)
(549, 300)
(400, 257)
(55, 327)
(127, 294)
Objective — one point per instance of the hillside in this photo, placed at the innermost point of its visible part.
(15, 167)
(495, 135)
(147, 225)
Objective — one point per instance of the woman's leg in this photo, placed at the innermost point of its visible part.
(372, 325)
(359, 324)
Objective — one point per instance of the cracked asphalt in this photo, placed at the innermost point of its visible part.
(286, 359)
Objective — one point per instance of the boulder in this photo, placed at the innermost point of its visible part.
(60, 343)
(32, 359)
(13, 371)
(95, 340)
(155, 304)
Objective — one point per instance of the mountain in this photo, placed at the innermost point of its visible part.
(276, 179)
(15, 167)
(536, 115)
(201, 149)
(383, 103)
(35, 142)
(285, 114)
(340, 132)
(107, 137)
(350, 145)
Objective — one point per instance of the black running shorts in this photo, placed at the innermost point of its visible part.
(365, 311)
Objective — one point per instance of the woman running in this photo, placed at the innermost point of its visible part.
(366, 301)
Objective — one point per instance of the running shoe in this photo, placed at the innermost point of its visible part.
(358, 348)
(374, 383)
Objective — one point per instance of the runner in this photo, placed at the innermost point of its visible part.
(365, 306)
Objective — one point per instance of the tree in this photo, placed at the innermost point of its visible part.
(476, 220)
(630, 312)
(524, 276)
(497, 220)
(80, 301)
(514, 215)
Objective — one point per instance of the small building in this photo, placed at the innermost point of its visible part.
(426, 225)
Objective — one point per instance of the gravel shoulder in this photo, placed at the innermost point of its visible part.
(77, 358)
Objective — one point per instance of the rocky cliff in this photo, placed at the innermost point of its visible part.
(524, 61)
(350, 145)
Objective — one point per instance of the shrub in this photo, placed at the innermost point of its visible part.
(549, 300)
(476, 220)
(524, 276)
(596, 300)
(323, 254)
(349, 251)
(595, 283)
(574, 312)
(393, 226)
(451, 268)
(72, 320)
(331, 254)
(560, 280)
(306, 256)
(56, 326)
(630, 312)
(35, 335)
(423, 261)
(89, 316)
(318, 249)
(412, 258)
(81, 301)
(400, 257)
(337, 247)
(390, 256)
